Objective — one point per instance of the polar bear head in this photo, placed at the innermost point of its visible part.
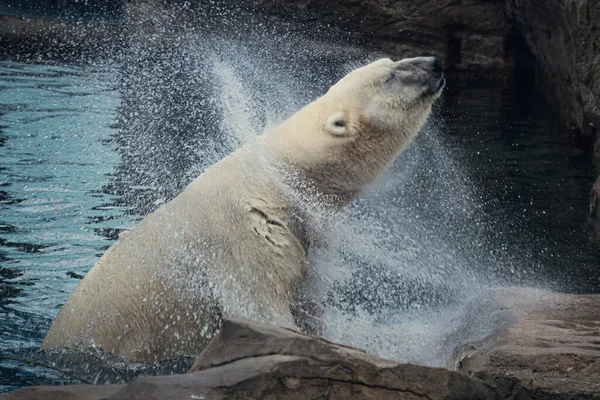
(344, 139)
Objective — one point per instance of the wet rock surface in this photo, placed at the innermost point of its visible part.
(39, 40)
(551, 351)
(247, 360)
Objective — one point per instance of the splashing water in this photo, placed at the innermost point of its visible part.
(235, 103)
(404, 272)
(389, 281)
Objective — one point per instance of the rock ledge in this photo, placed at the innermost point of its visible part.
(248, 360)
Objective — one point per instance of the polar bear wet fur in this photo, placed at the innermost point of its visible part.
(233, 243)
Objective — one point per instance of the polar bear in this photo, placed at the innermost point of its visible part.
(234, 242)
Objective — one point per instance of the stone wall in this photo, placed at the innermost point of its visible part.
(564, 36)
(471, 35)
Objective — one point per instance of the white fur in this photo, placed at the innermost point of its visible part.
(233, 242)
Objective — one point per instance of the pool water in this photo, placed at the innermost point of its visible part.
(85, 151)
(55, 220)
(535, 189)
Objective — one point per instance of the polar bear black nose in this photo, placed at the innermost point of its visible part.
(424, 64)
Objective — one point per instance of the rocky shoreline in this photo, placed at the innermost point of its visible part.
(247, 360)
(550, 351)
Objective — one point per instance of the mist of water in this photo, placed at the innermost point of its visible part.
(405, 270)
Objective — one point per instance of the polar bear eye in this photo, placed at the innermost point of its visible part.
(336, 125)
(391, 76)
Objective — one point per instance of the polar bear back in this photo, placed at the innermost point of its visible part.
(176, 267)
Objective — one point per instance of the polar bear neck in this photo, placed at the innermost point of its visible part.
(338, 173)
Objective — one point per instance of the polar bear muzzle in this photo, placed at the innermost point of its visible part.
(424, 75)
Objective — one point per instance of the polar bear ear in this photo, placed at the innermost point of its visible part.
(337, 125)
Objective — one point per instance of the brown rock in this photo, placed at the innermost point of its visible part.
(565, 39)
(340, 371)
(253, 361)
(552, 351)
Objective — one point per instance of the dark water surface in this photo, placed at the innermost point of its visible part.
(55, 156)
(535, 188)
(80, 160)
